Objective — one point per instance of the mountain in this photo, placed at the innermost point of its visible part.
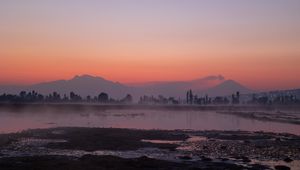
(85, 85)
(178, 88)
(227, 87)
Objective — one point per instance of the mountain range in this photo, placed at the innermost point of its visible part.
(85, 85)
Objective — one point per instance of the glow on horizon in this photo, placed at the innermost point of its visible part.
(254, 42)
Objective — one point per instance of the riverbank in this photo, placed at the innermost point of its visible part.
(94, 106)
(111, 148)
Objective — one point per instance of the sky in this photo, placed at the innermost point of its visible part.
(256, 43)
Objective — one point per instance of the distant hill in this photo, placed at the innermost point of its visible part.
(178, 88)
(85, 85)
(227, 87)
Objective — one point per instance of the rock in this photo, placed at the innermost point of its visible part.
(144, 157)
(247, 141)
(206, 159)
(282, 167)
(259, 167)
(224, 159)
(246, 159)
(87, 157)
(242, 158)
(223, 147)
(288, 160)
(185, 157)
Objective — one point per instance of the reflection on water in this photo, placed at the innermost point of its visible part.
(140, 119)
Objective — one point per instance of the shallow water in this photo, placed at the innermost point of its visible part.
(139, 119)
(35, 147)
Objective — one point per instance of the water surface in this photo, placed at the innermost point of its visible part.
(139, 119)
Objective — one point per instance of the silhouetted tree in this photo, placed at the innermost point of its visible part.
(191, 97)
(188, 97)
(74, 97)
(127, 99)
(22, 94)
(103, 97)
(237, 97)
(88, 98)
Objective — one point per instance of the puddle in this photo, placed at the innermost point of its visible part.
(58, 132)
(196, 139)
(191, 142)
(162, 141)
(33, 142)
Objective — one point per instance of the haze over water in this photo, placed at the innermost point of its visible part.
(139, 119)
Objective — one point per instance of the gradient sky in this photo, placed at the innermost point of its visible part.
(255, 42)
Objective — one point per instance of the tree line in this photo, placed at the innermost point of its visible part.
(34, 97)
(191, 99)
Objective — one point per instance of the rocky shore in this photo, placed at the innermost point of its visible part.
(111, 148)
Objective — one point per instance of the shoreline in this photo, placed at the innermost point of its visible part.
(166, 149)
(83, 106)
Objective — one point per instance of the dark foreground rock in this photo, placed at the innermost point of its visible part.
(87, 162)
(288, 160)
(282, 167)
(88, 149)
(91, 162)
(91, 139)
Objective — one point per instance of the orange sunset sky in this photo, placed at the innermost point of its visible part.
(256, 43)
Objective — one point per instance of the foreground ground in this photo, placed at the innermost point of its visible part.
(109, 148)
